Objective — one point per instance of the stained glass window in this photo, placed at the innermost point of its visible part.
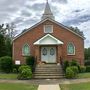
(44, 51)
(71, 49)
(26, 50)
(52, 52)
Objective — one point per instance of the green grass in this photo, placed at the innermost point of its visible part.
(80, 86)
(8, 76)
(17, 86)
(84, 75)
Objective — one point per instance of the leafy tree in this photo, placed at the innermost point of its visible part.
(8, 46)
(11, 31)
(7, 33)
(87, 53)
(2, 30)
(2, 46)
(76, 30)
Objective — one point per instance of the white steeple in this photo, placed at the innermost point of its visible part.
(47, 12)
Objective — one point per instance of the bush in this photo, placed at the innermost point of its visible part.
(65, 65)
(74, 63)
(75, 69)
(82, 69)
(6, 64)
(87, 62)
(69, 73)
(25, 72)
(87, 68)
(23, 67)
(72, 72)
(15, 68)
(30, 60)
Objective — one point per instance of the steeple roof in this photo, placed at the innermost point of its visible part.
(47, 12)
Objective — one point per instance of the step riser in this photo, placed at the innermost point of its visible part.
(49, 77)
(48, 71)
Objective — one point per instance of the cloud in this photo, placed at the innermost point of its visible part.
(77, 20)
(60, 1)
(28, 12)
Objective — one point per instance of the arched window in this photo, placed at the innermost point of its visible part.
(71, 49)
(26, 50)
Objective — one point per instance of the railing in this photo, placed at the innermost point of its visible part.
(61, 62)
(34, 66)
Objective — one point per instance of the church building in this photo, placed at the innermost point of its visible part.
(48, 41)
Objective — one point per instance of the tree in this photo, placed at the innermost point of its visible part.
(2, 30)
(7, 33)
(2, 46)
(87, 53)
(11, 31)
(77, 30)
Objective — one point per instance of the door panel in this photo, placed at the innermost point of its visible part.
(48, 54)
(52, 54)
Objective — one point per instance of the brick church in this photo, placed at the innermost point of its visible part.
(48, 41)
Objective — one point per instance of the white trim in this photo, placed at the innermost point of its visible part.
(57, 40)
(44, 21)
(74, 48)
(45, 28)
(22, 50)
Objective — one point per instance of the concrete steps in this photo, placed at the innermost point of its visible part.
(48, 71)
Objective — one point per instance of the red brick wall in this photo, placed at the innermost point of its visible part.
(60, 33)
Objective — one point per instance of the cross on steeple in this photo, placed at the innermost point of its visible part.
(47, 12)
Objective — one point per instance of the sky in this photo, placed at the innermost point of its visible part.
(25, 13)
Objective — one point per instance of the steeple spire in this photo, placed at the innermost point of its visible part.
(47, 12)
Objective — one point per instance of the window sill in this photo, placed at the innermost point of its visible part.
(25, 55)
(71, 54)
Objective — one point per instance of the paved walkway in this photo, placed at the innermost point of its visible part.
(49, 87)
(47, 81)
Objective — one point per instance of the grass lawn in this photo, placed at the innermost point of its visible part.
(8, 76)
(17, 86)
(84, 75)
(80, 86)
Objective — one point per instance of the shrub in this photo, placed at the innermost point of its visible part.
(87, 62)
(75, 69)
(87, 68)
(72, 72)
(82, 69)
(69, 73)
(23, 67)
(65, 65)
(30, 60)
(25, 72)
(74, 63)
(6, 64)
(15, 68)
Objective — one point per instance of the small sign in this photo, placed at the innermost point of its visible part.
(17, 62)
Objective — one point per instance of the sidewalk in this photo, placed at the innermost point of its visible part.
(49, 87)
(47, 81)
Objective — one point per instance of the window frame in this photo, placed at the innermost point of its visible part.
(73, 46)
(45, 29)
(23, 49)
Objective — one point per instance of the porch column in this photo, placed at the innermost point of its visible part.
(37, 53)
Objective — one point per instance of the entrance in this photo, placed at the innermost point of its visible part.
(48, 54)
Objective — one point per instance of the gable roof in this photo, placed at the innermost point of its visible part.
(48, 40)
(51, 21)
